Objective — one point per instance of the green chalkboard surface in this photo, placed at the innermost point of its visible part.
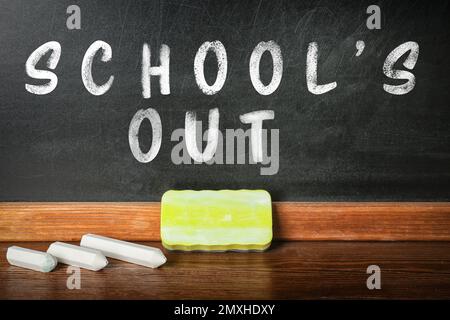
(347, 117)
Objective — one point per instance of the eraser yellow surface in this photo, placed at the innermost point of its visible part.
(220, 220)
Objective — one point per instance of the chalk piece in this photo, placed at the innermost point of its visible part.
(78, 256)
(130, 252)
(31, 259)
(221, 220)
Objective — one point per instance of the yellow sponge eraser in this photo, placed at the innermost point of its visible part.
(216, 220)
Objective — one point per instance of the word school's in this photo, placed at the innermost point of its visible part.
(163, 70)
(255, 119)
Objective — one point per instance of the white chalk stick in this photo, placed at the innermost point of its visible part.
(130, 252)
(78, 256)
(31, 259)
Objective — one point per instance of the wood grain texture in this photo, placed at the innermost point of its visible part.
(49, 221)
(362, 221)
(288, 270)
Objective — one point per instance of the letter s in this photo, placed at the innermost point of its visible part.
(410, 62)
(52, 62)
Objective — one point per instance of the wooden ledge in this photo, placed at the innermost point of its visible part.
(139, 221)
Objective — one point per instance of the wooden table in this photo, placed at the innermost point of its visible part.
(289, 270)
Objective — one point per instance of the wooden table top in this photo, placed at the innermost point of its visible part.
(288, 270)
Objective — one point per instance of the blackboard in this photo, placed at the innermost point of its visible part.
(356, 142)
